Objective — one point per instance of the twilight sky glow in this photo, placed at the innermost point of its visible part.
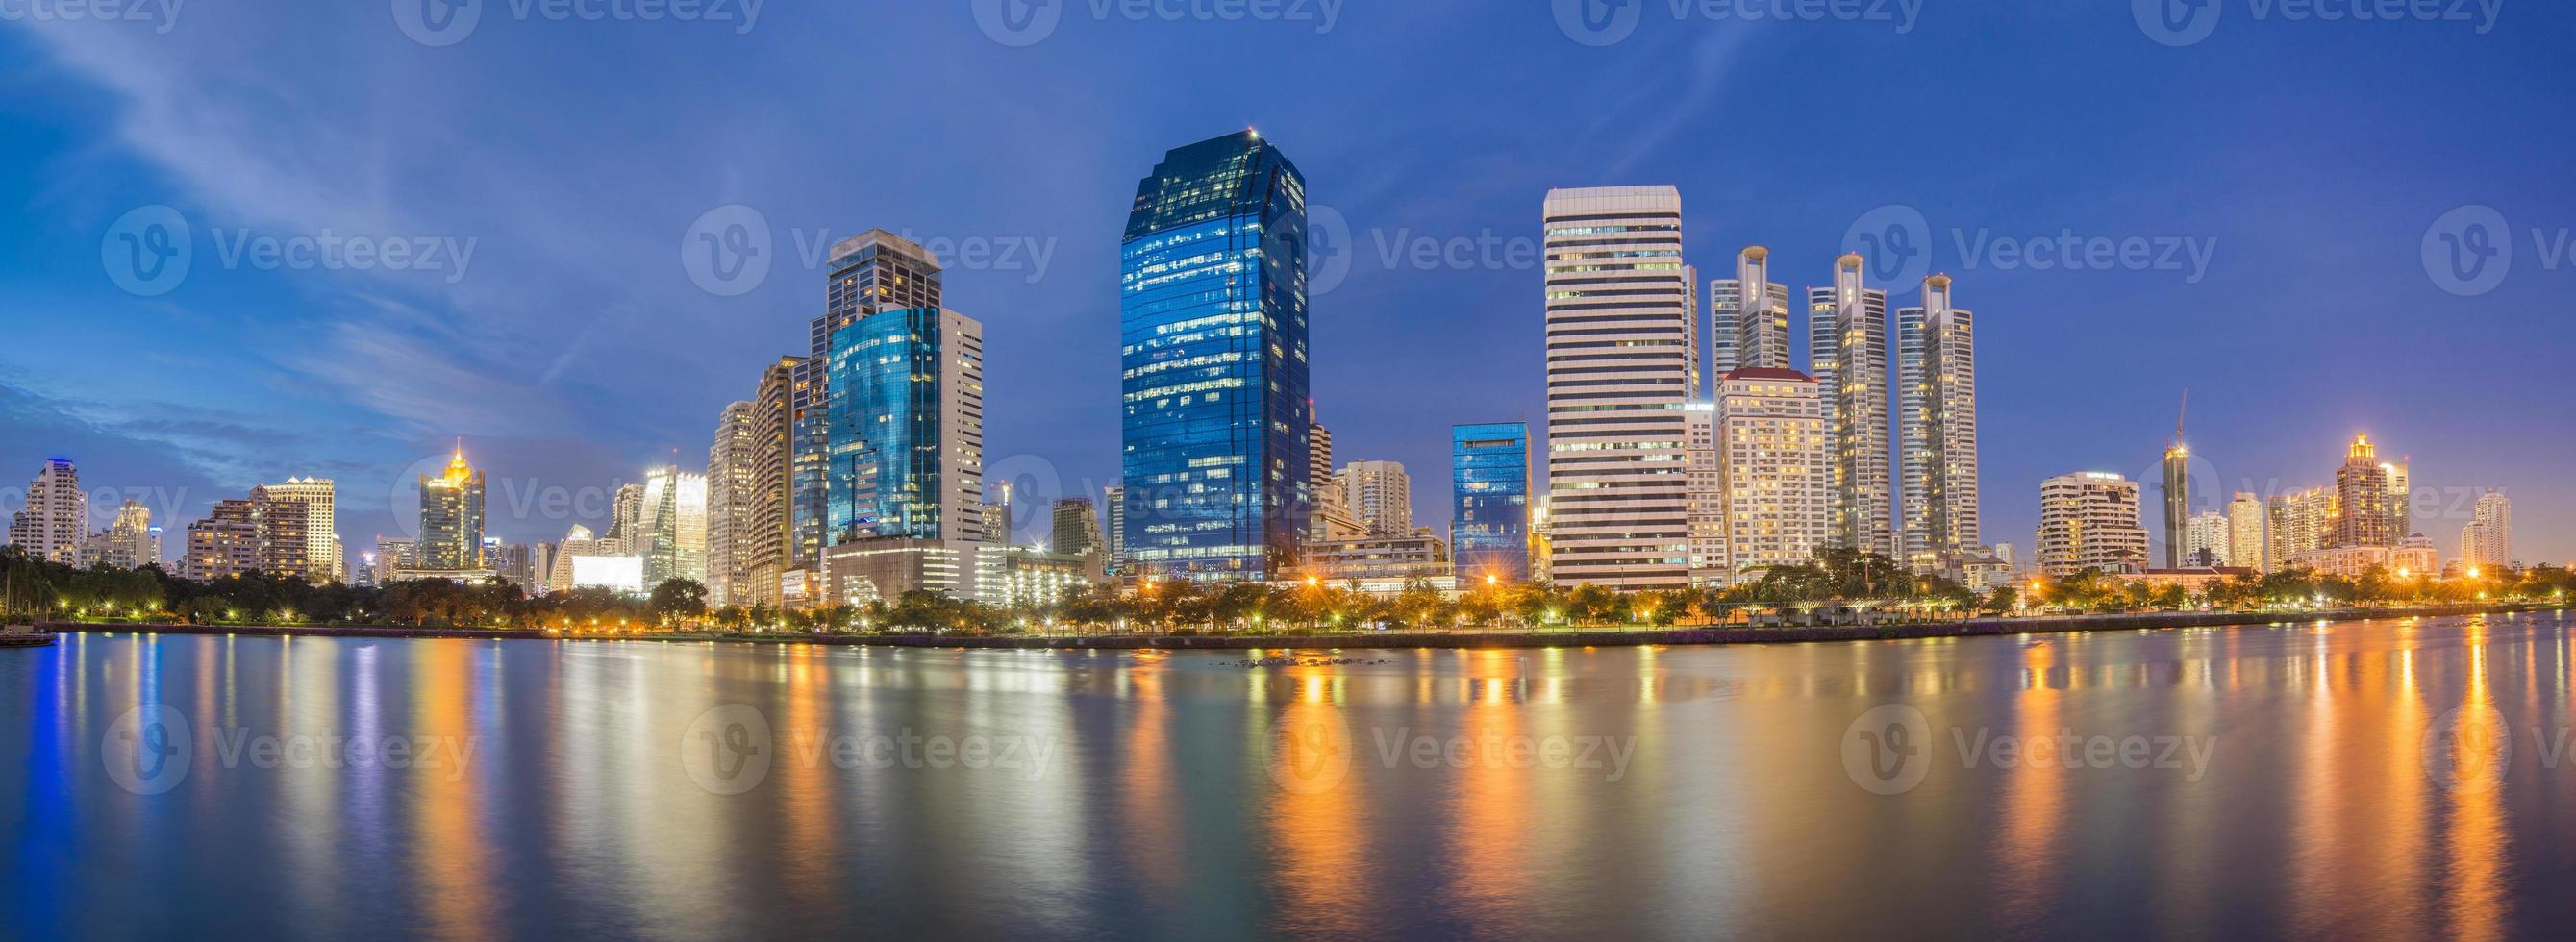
(2308, 160)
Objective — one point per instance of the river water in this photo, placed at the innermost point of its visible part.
(2352, 780)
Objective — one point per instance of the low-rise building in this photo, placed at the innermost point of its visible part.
(1392, 557)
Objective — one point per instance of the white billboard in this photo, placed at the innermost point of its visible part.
(620, 573)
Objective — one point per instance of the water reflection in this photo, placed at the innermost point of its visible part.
(2353, 790)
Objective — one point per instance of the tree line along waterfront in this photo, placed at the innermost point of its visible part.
(42, 591)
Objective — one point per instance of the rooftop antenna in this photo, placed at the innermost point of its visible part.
(2179, 414)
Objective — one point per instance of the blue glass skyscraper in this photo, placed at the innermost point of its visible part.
(1489, 531)
(1212, 290)
(870, 272)
(904, 457)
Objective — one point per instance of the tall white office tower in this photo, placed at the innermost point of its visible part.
(1937, 374)
(1847, 326)
(1620, 368)
(1748, 334)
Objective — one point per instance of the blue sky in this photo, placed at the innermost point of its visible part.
(2306, 159)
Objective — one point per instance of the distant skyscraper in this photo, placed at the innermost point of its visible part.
(1774, 468)
(2207, 540)
(2361, 499)
(2488, 539)
(906, 441)
(393, 553)
(451, 517)
(55, 524)
(997, 515)
(285, 527)
(2245, 542)
(1848, 325)
(2177, 493)
(770, 536)
(1115, 526)
(674, 526)
(1213, 329)
(1621, 365)
(1754, 333)
(1490, 500)
(577, 543)
(2401, 498)
(2090, 521)
(1706, 504)
(731, 462)
(1937, 369)
(870, 273)
(132, 542)
(318, 504)
(224, 544)
(1332, 519)
(1380, 494)
(1077, 527)
(626, 520)
(2298, 522)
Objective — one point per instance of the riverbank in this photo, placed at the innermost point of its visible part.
(1603, 637)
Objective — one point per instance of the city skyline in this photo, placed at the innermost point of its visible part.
(566, 425)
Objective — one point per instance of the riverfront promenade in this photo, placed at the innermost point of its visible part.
(1461, 638)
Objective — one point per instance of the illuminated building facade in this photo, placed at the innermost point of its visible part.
(451, 518)
(1490, 500)
(1213, 389)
